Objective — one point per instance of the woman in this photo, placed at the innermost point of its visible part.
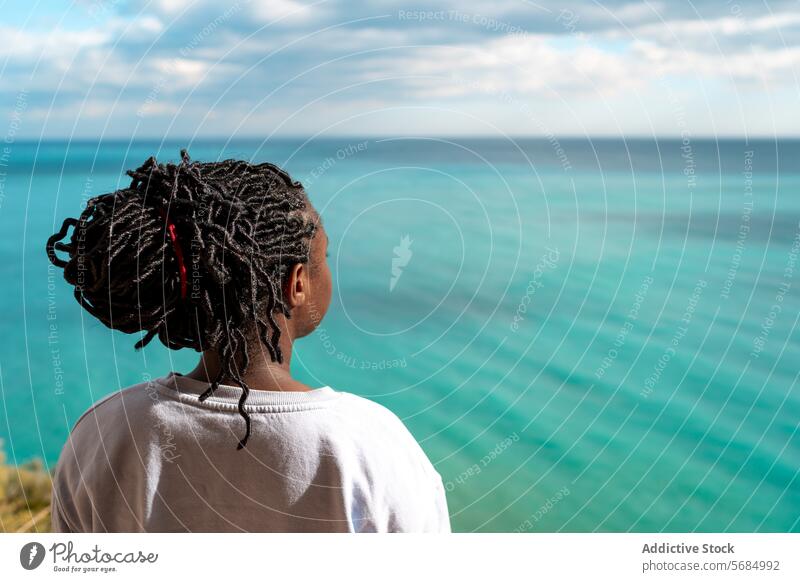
(229, 259)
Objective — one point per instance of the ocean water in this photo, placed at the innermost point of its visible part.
(583, 335)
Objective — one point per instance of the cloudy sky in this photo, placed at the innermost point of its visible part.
(185, 68)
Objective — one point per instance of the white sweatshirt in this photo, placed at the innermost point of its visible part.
(154, 458)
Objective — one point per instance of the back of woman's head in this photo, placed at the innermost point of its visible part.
(195, 254)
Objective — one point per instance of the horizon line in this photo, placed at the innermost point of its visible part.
(637, 137)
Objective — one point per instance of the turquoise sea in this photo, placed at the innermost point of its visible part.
(583, 335)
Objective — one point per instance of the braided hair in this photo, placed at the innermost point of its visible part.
(240, 226)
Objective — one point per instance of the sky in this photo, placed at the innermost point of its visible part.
(261, 68)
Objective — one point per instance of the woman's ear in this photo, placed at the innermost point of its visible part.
(296, 292)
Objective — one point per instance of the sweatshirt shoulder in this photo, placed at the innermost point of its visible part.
(378, 430)
(128, 401)
(369, 411)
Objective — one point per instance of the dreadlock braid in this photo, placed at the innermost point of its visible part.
(241, 227)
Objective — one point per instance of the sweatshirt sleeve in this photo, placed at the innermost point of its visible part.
(401, 491)
(70, 512)
(58, 524)
(442, 521)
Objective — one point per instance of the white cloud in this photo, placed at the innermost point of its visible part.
(285, 11)
(171, 6)
(679, 31)
(31, 44)
(515, 65)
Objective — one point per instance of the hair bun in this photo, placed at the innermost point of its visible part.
(121, 262)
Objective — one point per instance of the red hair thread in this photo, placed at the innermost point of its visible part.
(173, 235)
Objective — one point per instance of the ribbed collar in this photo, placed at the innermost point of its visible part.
(226, 394)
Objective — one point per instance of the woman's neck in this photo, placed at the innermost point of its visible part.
(261, 374)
